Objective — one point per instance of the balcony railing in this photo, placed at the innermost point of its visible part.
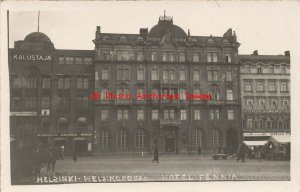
(123, 102)
(169, 102)
(223, 102)
(169, 122)
(140, 101)
(169, 82)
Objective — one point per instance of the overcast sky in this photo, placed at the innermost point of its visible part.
(267, 27)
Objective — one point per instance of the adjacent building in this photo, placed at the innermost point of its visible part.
(49, 91)
(265, 95)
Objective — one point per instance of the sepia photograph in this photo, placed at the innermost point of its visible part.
(192, 93)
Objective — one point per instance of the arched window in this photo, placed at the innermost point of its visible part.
(82, 121)
(216, 138)
(199, 141)
(123, 139)
(104, 139)
(210, 41)
(140, 139)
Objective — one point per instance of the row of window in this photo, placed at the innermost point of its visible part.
(260, 69)
(215, 93)
(167, 74)
(63, 83)
(125, 55)
(63, 102)
(271, 86)
(123, 114)
(263, 124)
(104, 141)
(273, 104)
(75, 60)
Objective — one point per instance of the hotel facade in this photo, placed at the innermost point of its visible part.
(51, 89)
(166, 60)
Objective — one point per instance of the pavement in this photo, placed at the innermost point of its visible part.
(190, 168)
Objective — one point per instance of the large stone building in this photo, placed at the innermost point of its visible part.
(49, 94)
(167, 60)
(265, 95)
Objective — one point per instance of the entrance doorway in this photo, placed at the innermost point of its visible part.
(169, 144)
(232, 140)
(81, 147)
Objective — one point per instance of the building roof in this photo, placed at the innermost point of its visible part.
(37, 37)
(163, 26)
(263, 57)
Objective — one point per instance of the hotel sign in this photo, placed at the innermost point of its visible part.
(32, 57)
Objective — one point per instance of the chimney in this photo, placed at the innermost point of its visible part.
(143, 32)
(98, 32)
(255, 52)
(287, 53)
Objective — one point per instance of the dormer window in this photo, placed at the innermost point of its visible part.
(225, 41)
(123, 38)
(105, 38)
(140, 39)
(210, 41)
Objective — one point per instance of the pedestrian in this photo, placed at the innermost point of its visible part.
(199, 150)
(75, 155)
(241, 152)
(225, 151)
(155, 155)
(220, 150)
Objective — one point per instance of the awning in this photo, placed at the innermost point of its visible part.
(255, 143)
(280, 138)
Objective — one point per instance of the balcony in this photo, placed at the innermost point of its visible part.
(184, 102)
(169, 122)
(198, 102)
(103, 102)
(154, 101)
(169, 102)
(140, 102)
(169, 82)
(123, 102)
(223, 102)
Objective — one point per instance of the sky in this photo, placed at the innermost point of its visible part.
(265, 27)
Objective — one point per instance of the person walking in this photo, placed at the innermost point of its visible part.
(155, 155)
(75, 155)
(242, 152)
(199, 150)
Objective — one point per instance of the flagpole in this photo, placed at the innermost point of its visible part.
(7, 29)
(39, 21)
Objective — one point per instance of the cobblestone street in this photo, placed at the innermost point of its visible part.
(191, 168)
